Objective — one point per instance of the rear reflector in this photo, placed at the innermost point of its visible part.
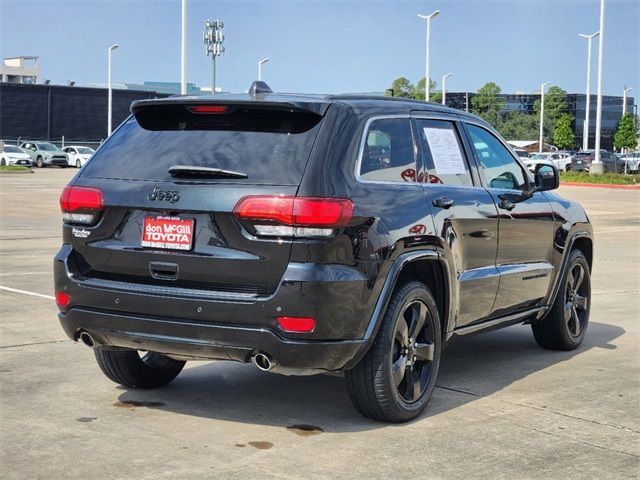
(81, 204)
(297, 324)
(208, 109)
(296, 211)
(62, 299)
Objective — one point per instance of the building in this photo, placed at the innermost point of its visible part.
(167, 88)
(20, 70)
(50, 112)
(524, 103)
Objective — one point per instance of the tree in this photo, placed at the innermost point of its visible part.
(555, 104)
(563, 136)
(625, 136)
(418, 92)
(519, 126)
(487, 104)
(401, 87)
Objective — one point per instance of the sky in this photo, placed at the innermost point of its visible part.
(330, 46)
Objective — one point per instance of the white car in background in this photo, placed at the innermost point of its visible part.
(561, 160)
(78, 155)
(632, 160)
(537, 159)
(14, 155)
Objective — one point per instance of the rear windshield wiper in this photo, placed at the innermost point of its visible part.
(195, 171)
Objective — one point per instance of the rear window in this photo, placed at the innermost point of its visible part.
(270, 147)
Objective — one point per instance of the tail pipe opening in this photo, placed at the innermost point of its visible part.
(263, 361)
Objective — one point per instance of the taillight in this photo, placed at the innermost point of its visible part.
(81, 205)
(297, 324)
(286, 216)
(63, 299)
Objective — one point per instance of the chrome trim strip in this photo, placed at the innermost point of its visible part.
(129, 287)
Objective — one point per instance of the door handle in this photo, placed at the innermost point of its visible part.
(507, 205)
(443, 202)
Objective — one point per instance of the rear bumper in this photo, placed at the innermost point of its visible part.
(210, 341)
(217, 325)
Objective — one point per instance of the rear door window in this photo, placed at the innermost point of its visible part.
(270, 147)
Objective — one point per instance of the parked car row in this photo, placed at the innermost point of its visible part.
(44, 154)
(581, 161)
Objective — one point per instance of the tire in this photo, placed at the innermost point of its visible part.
(78, 164)
(566, 323)
(371, 385)
(129, 369)
(3, 163)
(39, 162)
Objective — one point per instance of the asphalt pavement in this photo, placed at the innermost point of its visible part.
(503, 408)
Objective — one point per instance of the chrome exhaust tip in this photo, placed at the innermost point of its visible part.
(263, 362)
(87, 339)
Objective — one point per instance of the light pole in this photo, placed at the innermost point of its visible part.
(183, 50)
(444, 88)
(596, 165)
(585, 134)
(428, 18)
(260, 63)
(110, 100)
(542, 115)
(624, 99)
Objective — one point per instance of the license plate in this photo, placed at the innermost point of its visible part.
(172, 233)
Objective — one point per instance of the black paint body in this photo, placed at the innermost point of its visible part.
(490, 266)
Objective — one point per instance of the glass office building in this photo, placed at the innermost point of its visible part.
(611, 111)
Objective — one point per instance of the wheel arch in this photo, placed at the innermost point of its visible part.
(428, 267)
(581, 240)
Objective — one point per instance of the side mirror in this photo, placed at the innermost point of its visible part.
(547, 177)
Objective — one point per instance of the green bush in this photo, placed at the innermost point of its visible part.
(610, 178)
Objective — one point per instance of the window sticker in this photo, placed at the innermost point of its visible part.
(445, 151)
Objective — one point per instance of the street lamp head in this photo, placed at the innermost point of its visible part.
(589, 36)
(447, 75)
(113, 47)
(264, 60)
(627, 90)
(429, 17)
(545, 84)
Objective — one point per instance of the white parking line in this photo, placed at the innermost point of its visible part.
(15, 290)
(22, 273)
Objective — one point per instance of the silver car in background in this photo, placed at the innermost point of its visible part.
(44, 154)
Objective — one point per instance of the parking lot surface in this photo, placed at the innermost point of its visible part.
(503, 407)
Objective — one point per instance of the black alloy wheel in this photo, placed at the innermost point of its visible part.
(394, 381)
(565, 325)
(413, 350)
(576, 300)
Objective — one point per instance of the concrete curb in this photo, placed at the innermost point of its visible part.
(600, 185)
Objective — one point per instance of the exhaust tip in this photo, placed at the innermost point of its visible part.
(263, 362)
(87, 339)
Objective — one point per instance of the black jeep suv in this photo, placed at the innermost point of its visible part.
(308, 234)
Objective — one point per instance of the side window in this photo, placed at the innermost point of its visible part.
(388, 151)
(442, 154)
(499, 168)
